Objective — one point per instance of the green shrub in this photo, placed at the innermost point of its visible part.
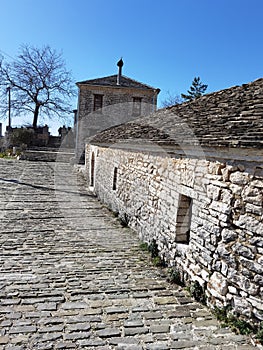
(174, 276)
(237, 324)
(197, 292)
(157, 261)
(240, 326)
(144, 246)
(153, 249)
(260, 333)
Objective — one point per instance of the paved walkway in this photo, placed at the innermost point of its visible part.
(73, 278)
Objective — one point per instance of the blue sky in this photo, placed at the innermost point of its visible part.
(163, 43)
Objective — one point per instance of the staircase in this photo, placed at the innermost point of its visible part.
(49, 154)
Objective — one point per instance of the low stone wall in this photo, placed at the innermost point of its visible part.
(48, 155)
(205, 216)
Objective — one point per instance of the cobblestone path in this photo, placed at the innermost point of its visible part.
(73, 278)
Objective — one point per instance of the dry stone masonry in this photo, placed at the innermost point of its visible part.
(190, 178)
(73, 278)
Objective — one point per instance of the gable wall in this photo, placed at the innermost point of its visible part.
(225, 251)
(117, 108)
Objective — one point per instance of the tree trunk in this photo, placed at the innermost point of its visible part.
(36, 113)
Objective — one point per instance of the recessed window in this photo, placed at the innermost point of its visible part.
(92, 170)
(183, 219)
(115, 175)
(98, 103)
(137, 106)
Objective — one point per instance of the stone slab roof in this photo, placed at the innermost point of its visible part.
(228, 118)
(112, 81)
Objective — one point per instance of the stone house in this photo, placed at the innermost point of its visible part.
(190, 178)
(108, 101)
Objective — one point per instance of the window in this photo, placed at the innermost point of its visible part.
(137, 105)
(115, 174)
(183, 220)
(98, 102)
(92, 170)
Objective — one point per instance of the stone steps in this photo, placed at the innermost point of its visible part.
(49, 155)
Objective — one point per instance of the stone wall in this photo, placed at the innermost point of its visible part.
(117, 108)
(204, 213)
(114, 96)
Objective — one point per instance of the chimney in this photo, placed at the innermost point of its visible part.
(120, 65)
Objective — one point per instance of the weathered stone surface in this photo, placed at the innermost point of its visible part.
(225, 224)
(73, 277)
(218, 285)
(239, 178)
(228, 235)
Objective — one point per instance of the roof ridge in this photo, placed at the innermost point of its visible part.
(106, 81)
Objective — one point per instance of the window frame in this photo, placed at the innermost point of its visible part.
(92, 170)
(183, 219)
(137, 106)
(97, 103)
(115, 178)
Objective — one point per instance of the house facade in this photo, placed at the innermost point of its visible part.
(190, 178)
(110, 101)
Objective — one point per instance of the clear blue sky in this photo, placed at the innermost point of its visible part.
(163, 43)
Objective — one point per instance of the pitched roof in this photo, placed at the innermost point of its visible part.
(112, 81)
(228, 118)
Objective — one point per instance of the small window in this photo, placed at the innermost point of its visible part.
(137, 106)
(98, 103)
(183, 220)
(92, 170)
(115, 175)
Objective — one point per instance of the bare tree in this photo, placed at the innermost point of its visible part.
(39, 82)
(171, 100)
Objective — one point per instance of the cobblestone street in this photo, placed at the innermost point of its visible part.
(73, 278)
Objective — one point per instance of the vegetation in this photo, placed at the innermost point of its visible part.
(144, 246)
(197, 292)
(8, 154)
(174, 276)
(21, 137)
(259, 334)
(39, 83)
(171, 100)
(197, 89)
(152, 248)
(237, 324)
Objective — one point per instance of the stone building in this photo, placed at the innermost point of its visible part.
(190, 178)
(109, 101)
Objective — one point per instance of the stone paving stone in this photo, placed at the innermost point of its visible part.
(132, 331)
(4, 340)
(65, 345)
(22, 329)
(158, 346)
(129, 347)
(76, 335)
(73, 278)
(108, 332)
